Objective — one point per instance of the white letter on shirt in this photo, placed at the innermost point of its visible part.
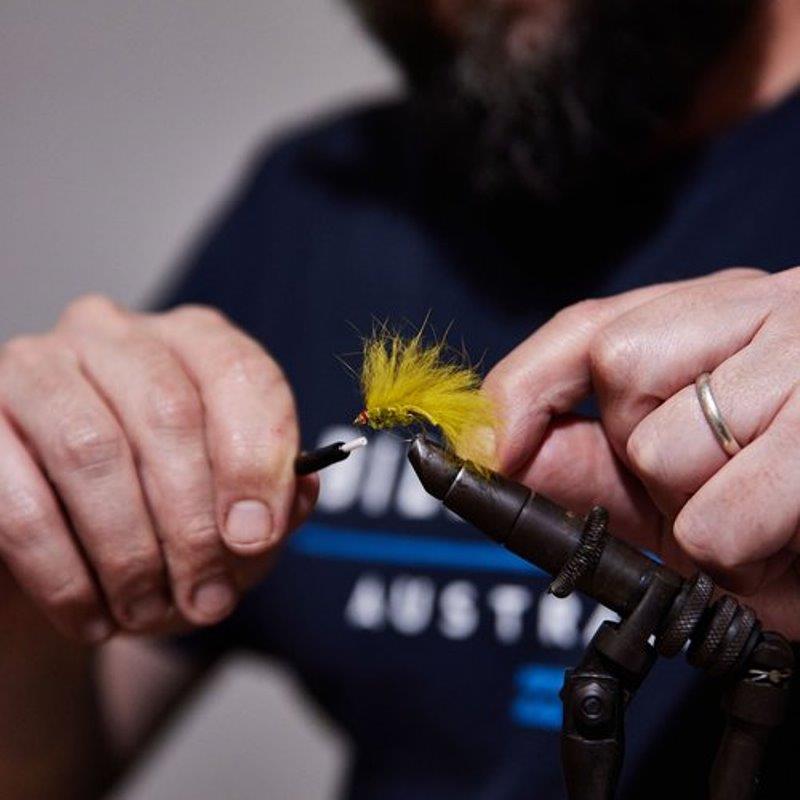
(459, 614)
(366, 607)
(411, 603)
(509, 603)
(558, 620)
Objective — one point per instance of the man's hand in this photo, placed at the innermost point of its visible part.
(653, 458)
(146, 467)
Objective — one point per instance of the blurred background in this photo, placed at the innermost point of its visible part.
(123, 125)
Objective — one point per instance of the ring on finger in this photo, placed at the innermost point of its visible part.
(713, 415)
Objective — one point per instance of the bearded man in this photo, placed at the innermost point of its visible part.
(547, 153)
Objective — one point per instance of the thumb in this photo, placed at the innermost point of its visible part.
(576, 467)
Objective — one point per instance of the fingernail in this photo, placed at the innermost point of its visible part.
(97, 630)
(146, 610)
(214, 598)
(249, 523)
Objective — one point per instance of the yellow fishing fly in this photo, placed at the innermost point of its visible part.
(406, 381)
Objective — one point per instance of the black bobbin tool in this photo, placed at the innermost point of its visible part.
(661, 613)
(309, 461)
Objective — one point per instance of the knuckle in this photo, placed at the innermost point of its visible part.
(25, 352)
(788, 277)
(199, 314)
(90, 446)
(25, 520)
(128, 569)
(200, 531)
(73, 592)
(175, 409)
(740, 272)
(786, 289)
(21, 348)
(196, 548)
(247, 365)
(43, 360)
(581, 319)
(644, 452)
(89, 307)
(612, 357)
(585, 311)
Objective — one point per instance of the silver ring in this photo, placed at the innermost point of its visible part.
(714, 416)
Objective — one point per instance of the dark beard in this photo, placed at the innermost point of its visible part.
(581, 110)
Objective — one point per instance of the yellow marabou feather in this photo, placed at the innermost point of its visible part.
(406, 381)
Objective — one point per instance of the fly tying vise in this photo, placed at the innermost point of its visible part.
(661, 614)
(408, 382)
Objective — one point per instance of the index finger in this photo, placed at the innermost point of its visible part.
(550, 372)
(250, 421)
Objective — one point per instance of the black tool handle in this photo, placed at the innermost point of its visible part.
(309, 461)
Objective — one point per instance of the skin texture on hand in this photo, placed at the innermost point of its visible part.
(146, 468)
(652, 458)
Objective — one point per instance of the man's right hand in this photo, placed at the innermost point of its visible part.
(146, 467)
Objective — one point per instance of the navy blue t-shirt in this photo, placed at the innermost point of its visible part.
(438, 653)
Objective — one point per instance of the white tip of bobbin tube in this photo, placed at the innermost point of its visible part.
(354, 444)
